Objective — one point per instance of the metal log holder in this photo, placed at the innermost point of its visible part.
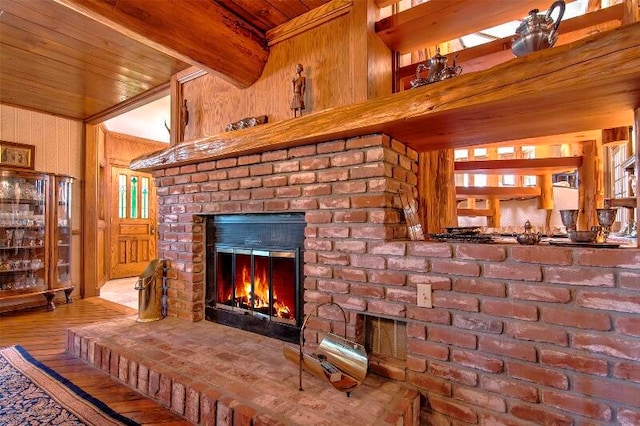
(340, 361)
(152, 292)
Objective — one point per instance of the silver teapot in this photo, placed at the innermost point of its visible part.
(537, 31)
(528, 238)
(437, 70)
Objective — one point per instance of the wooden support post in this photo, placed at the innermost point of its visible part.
(636, 131)
(545, 182)
(437, 193)
(493, 221)
(631, 14)
(590, 185)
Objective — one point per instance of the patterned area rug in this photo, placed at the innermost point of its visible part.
(33, 394)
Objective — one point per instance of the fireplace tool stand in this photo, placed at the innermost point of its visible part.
(341, 362)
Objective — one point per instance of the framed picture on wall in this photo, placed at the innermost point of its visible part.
(16, 155)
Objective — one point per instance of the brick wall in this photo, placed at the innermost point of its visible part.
(539, 334)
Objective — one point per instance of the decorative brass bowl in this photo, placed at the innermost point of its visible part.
(583, 236)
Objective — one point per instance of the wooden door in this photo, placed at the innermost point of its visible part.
(133, 222)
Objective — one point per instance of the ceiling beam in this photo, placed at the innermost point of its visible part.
(200, 32)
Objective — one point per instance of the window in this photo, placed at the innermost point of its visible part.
(122, 196)
(134, 197)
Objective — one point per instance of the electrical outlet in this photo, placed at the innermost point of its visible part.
(424, 295)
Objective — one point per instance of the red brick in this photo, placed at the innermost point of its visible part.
(539, 293)
(624, 393)
(350, 302)
(437, 283)
(540, 415)
(401, 295)
(320, 271)
(333, 258)
(334, 203)
(481, 399)
(510, 309)
(479, 286)
(481, 252)
(224, 412)
(579, 318)
(302, 151)
(541, 375)
(367, 261)
(579, 276)
(329, 231)
(351, 274)
(288, 192)
(541, 254)
(359, 216)
(351, 246)
(238, 172)
(629, 280)
(416, 364)
(333, 286)
(628, 325)
(577, 405)
(628, 417)
(274, 155)
(428, 249)
(178, 396)
(312, 244)
(512, 388)
(477, 361)
(366, 141)
(609, 301)
(627, 371)
(609, 258)
(455, 267)
(504, 347)
(437, 316)
(573, 361)
(314, 163)
(332, 175)
(429, 383)
(415, 264)
(454, 374)
(478, 324)
(418, 331)
(522, 272)
(286, 167)
(364, 171)
(372, 232)
(386, 308)
(368, 290)
(333, 146)
(427, 349)
(537, 333)
(452, 336)
(497, 420)
(455, 301)
(390, 248)
(350, 187)
(453, 409)
(311, 295)
(249, 159)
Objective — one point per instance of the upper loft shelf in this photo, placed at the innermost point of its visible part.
(593, 83)
(438, 21)
(525, 167)
(498, 51)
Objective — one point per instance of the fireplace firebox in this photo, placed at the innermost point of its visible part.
(254, 264)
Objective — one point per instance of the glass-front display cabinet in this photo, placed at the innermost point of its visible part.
(27, 236)
(62, 226)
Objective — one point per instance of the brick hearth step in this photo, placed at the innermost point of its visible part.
(216, 375)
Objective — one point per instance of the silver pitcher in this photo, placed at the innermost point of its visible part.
(537, 31)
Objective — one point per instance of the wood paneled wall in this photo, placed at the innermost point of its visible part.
(58, 149)
(342, 64)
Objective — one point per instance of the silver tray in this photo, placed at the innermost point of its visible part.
(592, 245)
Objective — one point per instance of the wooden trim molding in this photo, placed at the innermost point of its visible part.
(308, 21)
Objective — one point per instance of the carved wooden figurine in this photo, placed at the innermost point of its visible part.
(298, 84)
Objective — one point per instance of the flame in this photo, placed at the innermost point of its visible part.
(261, 296)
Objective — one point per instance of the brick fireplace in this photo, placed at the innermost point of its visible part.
(517, 333)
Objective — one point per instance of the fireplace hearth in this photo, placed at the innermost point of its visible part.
(254, 273)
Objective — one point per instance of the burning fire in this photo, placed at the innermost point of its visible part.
(261, 295)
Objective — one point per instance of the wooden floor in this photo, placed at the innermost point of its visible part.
(42, 333)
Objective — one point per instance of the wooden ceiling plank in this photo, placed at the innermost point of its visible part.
(262, 11)
(89, 36)
(161, 25)
(39, 41)
(438, 21)
(527, 167)
(590, 84)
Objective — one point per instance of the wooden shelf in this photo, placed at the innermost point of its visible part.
(497, 192)
(628, 202)
(475, 212)
(593, 83)
(438, 21)
(495, 52)
(521, 167)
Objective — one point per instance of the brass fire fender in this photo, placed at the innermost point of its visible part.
(338, 360)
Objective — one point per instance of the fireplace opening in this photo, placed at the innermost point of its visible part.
(254, 273)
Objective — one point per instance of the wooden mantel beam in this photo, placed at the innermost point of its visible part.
(199, 32)
(589, 84)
